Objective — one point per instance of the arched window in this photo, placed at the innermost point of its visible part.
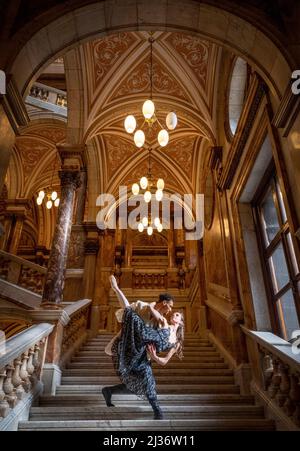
(237, 91)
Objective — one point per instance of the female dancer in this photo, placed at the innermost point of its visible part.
(129, 350)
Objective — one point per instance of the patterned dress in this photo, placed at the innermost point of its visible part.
(129, 354)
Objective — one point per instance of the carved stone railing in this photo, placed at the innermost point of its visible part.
(21, 363)
(75, 331)
(151, 279)
(280, 372)
(22, 272)
(49, 98)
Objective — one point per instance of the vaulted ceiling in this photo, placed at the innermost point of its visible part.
(115, 74)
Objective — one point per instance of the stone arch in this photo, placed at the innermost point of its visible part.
(99, 19)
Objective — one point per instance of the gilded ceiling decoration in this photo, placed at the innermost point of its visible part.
(158, 171)
(118, 151)
(31, 152)
(195, 51)
(138, 81)
(182, 151)
(107, 51)
(56, 135)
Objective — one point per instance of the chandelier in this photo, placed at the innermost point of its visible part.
(50, 196)
(148, 188)
(150, 117)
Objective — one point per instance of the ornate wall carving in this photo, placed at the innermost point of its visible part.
(76, 250)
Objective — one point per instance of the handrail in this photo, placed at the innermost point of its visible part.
(21, 272)
(23, 262)
(75, 307)
(24, 340)
(276, 345)
(279, 377)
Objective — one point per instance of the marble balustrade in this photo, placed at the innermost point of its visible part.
(280, 372)
(21, 362)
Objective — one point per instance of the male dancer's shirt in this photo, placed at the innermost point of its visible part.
(143, 310)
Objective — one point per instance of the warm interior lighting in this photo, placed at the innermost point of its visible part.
(150, 230)
(139, 138)
(160, 184)
(140, 227)
(145, 221)
(42, 194)
(54, 195)
(156, 222)
(163, 138)
(171, 121)
(135, 189)
(148, 109)
(159, 195)
(49, 204)
(147, 197)
(130, 124)
(57, 202)
(144, 182)
(39, 200)
(160, 228)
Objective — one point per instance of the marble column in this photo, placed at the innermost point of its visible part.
(171, 245)
(81, 196)
(128, 248)
(55, 277)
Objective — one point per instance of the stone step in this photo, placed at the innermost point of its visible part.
(201, 351)
(136, 411)
(99, 353)
(150, 425)
(166, 372)
(176, 366)
(161, 389)
(128, 400)
(70, 378)
(187, 360)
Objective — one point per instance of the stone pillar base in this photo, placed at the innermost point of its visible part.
(51, 377)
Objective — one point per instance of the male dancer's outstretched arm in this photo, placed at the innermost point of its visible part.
(120, 295)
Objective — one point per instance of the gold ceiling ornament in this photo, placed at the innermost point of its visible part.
(148, 188)
(150, 117)
(50, 196)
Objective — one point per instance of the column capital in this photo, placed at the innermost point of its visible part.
(72, 156)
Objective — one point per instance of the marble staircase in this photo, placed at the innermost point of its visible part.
(197, 393)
